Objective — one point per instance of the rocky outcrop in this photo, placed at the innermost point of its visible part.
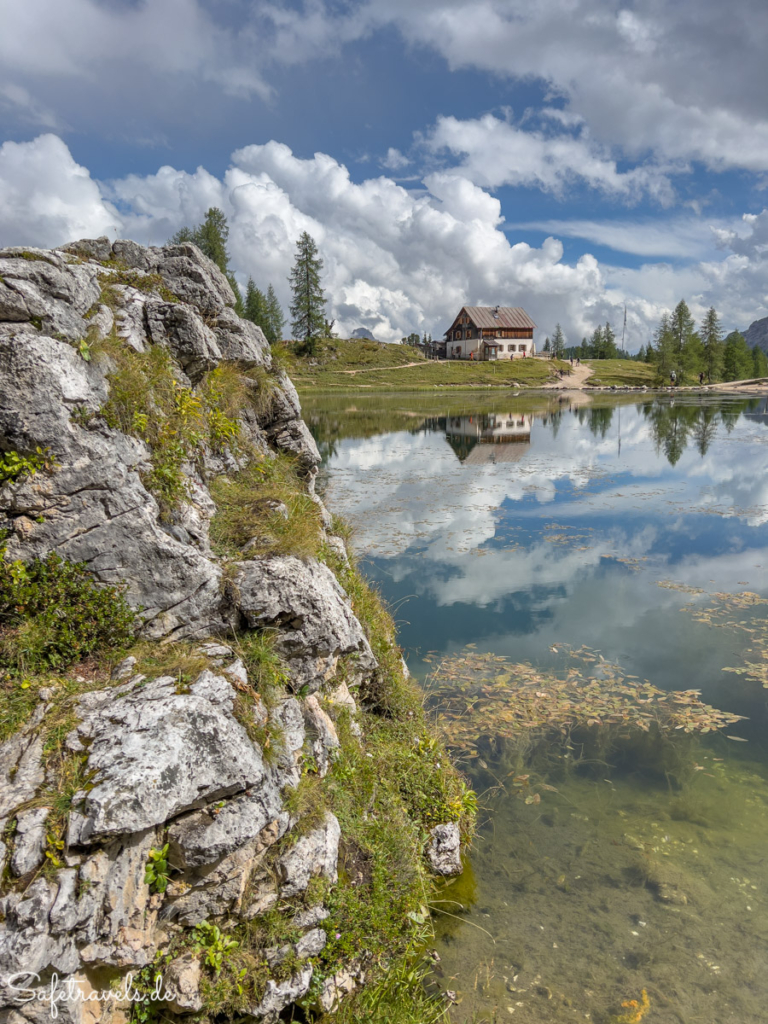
(184, 812)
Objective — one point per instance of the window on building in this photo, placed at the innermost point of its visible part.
(512, 348)
(522, 348)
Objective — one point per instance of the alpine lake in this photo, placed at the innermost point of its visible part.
(564, 570)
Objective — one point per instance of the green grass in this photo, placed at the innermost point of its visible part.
(352, 365)
(266, 507)
(620, 372)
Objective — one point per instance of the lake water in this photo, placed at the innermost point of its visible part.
(531, 528)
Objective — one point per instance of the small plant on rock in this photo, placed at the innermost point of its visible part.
(216, 945)
(53, 613)
(15, 466)
(156, 874)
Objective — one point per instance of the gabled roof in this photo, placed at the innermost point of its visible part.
(499, 316)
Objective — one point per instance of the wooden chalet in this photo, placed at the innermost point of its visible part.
(490, 332)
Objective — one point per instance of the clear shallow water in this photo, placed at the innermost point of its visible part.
(523, 525)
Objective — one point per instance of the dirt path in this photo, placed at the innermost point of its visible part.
(378, 369)
(575, 381)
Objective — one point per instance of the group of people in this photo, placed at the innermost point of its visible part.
(673, 378)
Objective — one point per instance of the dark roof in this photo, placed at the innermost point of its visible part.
(506, 316)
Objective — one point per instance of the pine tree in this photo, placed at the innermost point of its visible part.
(737, 358)
(558, 342)
(759, 362)
(711, 339)
(275, 318)
(308, 306)
(547, 345)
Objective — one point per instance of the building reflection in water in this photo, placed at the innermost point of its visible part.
(489, 438)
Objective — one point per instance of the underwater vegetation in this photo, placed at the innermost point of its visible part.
(484, 695)
(636, 1010)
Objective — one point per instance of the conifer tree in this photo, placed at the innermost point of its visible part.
(255, 306)
(759, 362)
(308, 306)
(737, 358)
(547, 345)
(610, 351)
(275, 318)
(558, 342)
(711, 339)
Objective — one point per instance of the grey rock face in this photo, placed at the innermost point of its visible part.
(181, 981)
(444, 849)
(241, 341)
(314, 854)
(312, 611)
(21, 768)
(278, 996)
(29, 841)
(191, 341)
(321, 732)
(157, 753)
(51, 287)
(94, 504)
(204, 837)
(193, 277)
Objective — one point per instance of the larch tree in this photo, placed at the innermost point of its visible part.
(711, 335)
(558, 342)
(308, 306)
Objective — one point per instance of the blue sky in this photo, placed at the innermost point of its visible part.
(570, 156)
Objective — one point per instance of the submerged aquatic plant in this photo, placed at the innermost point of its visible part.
(636, 1010)
(484, 694)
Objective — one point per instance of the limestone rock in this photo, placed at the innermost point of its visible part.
(21, 768)
(314, 854)
(90, 248)
(156, 753)
(26, 943)
(444, 849)
(321, 733)
(311, 944)
(94, 505)
(29, 840)
(50, 287)
(311, 917)
(194, 278)
(181, 981)
(312, 611)
(206, 836)
(191, 341)
(339, 985)
(240, 340)
(279, 995)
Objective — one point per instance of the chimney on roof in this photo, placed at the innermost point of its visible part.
(496, 312)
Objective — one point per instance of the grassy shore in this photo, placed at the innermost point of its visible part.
(621, 373)
(358, 365)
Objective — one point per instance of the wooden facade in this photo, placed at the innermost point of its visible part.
(490, 332)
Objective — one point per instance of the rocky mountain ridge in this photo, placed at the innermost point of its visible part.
(757, 334)
(151, 817)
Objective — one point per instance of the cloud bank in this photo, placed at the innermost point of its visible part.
(396, 259)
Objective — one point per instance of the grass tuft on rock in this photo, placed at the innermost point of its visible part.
(265, 509)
